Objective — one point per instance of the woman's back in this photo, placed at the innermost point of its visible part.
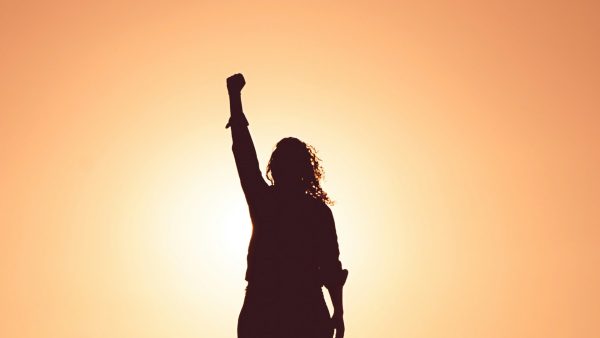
(285, 249)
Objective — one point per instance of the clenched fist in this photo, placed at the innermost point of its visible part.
(235, 83)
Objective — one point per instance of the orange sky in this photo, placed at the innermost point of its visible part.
(460, 141)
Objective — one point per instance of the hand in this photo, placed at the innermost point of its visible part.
(235, 83)
(338, 324)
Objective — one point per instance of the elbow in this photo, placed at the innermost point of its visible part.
(335, 279)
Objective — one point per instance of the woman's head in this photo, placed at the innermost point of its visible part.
(295, 164)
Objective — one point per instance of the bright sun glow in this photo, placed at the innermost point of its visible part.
(198, 236)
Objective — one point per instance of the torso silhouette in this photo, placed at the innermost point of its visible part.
(294, 242)
(293, 245)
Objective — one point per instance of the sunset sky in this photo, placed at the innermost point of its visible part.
(460, 141)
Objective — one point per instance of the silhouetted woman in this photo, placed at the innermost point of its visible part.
(293, 250)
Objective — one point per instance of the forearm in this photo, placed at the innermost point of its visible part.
(237, 116)
(243, 147)
(336, 294)
(332, 274)
(235, 104)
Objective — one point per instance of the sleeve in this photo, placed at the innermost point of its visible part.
(330, 267)
(246, 161)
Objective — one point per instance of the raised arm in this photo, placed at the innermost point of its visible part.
(246, 161)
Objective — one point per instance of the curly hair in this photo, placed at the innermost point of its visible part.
(297, 160)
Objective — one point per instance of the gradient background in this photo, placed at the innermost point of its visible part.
(460, 141)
